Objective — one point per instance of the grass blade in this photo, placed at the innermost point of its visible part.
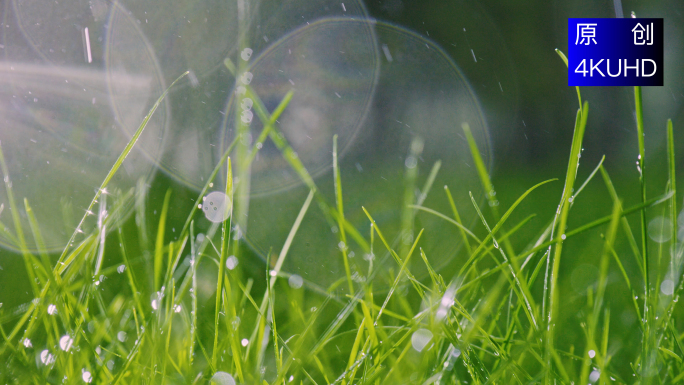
(573, 164)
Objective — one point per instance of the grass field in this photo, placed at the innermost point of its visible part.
(125, 304)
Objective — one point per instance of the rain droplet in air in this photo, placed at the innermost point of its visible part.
(386, 51)
(420, 339)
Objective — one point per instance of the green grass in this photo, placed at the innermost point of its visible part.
(180, 314)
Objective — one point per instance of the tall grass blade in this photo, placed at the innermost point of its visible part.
(564, 207)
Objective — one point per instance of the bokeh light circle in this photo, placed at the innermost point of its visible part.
(77, 79)
(331, 65)
(199, 126)
(414, 120)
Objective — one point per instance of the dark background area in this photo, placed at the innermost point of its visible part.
(531, 120)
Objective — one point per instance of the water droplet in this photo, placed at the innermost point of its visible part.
(121, 336)
(592, 354)
(247, 116)
(420, 339)
(563, 237)
(667, 287)
(65, 343)
(155, 304)
(52, 309)
(246, 104)
(223, 378)
(411, 162)
(177, 308)
(247, 77)
(660, 229)
(246, 54)
(46, 358)
(295, 281)
(259, 145)
(231, 262)
(446, 303)
(87, 377)
(594, 376)
(27, 343)
(236, 323)
(121, 269)
(217, 207)
(244, 342)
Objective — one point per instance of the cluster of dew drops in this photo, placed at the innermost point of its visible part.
(66, 343)
(245, 103)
